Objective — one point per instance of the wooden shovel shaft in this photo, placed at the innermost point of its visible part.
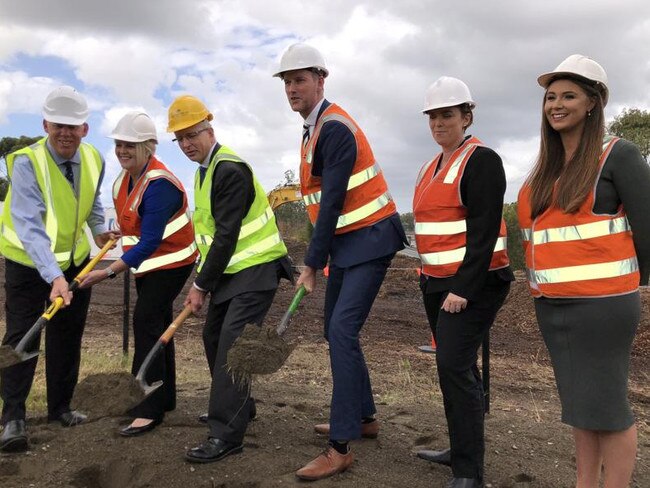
(162, 342)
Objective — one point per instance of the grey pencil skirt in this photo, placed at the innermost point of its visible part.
(589, 341)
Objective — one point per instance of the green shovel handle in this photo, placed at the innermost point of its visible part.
(284, 323)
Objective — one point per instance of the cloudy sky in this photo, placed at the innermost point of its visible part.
(382, 55)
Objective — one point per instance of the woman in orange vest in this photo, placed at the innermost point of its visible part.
(583, 212)
(465, 276)
(158, 244)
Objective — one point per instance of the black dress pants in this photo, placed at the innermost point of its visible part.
(229, 407)
(154, 311)
(458, 337)
(27, 296)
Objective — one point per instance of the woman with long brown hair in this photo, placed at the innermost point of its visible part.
(586, 233)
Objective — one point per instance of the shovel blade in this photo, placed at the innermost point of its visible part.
(10, 357)
(149, 389)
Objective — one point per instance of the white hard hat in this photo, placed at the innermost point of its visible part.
(135, 127)
(447, 92)
(302, 56)
(65, 105)
(582, 67)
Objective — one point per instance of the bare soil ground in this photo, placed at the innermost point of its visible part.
(527, 446)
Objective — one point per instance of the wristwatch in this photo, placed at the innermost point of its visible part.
(110, 273)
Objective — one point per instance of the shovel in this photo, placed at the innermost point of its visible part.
(9, 356)
(261, 350)
(148, 389)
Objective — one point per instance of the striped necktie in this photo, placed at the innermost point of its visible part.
(69, 175)
(305, 134)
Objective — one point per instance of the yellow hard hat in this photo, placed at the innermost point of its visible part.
(185, 112)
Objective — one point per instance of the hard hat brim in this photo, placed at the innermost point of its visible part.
(120, 137)
(61, 119)
(544, 80)
(472, 106)
(325, 71)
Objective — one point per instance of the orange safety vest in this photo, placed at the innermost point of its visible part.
(368, 200)
(578, 255)
(440, 216)
(178, 247)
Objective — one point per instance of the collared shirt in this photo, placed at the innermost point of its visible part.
(28, 211)
(313, 116)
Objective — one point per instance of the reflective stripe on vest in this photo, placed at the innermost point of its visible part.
(177, 246)
(440, 216)
(165, 259)
(578, 232)
(173, 226)
(456, 255)
(258, 241)
(585, 272)
(597, 249)
(65, 230)
(355, 180)
(367, 200)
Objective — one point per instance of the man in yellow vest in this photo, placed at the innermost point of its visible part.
(53, 194)
(242, 260)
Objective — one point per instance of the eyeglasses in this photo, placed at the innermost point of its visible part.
(189, 137)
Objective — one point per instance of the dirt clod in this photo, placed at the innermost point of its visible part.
(107, 394)
(259, 350)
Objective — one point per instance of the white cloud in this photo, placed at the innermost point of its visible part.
(382, 56)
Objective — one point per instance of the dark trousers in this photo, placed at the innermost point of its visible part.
(458, 337)
(27, 296)
(349, 297)
(229, 407)
(153, 313)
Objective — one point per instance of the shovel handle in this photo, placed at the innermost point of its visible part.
(284, 323)
(91, 264)
(178, 321)
(54, 307)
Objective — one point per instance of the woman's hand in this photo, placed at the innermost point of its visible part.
(93, 278)
(454, 303)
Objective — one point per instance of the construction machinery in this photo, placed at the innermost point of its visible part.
(284, 193)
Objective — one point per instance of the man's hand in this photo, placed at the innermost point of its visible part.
(454, 303)
(60, 289)
(195, 298)
(307, 278)
(104, 237)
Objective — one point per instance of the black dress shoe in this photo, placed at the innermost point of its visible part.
(70, 419)
(439, 457)
(129, 431)
(465, 483)
(14, 437)
(212, 450)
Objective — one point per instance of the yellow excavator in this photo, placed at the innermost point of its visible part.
(281, 194)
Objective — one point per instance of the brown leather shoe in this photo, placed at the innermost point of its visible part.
(327, 464)
(368, 431)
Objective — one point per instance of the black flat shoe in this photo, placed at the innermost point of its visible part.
(129, 431)
(70, 419)
(440, 457)
(212, 450)
(14, 437)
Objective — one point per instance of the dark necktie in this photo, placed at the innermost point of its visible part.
(202, 171)
(305, 134)
(69, 175)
